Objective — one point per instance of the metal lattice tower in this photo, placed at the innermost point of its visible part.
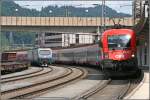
(137, 9)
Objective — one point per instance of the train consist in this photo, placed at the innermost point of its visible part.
(83, 55)
(115, 53)
(20, 60)
(40, 56)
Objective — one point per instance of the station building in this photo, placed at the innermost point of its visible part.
(56, 40)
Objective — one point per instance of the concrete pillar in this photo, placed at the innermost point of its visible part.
(11, 40)
(39, 39)
(43, 39)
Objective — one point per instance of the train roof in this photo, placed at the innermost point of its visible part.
(118, 31)
(8, 52)
(44, 48)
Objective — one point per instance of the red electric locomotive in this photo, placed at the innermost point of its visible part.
(119, 51)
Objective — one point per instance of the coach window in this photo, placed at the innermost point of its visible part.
(77, 38)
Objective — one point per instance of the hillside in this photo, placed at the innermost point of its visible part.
(9, 7)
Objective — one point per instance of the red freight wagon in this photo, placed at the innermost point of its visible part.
(8, 56)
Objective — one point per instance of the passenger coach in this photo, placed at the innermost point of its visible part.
(115, 54)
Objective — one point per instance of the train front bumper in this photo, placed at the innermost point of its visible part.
(126, 65)
(45, 61)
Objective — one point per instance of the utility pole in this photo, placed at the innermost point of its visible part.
(66, 11)
(11, 39)
(103, 16)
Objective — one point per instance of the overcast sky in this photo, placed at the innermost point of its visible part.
(119, 6)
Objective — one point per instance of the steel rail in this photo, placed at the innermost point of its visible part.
(36, 74)
(37, 93)
(34, 87)
(124, 91)
(5, 78)
(92, 91)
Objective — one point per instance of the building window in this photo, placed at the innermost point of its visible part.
(36, 42)
(77, 38)
(36, 35)
(57, 40)
(51, 34)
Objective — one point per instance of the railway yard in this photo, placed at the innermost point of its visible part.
(64, 82)
(70, 60)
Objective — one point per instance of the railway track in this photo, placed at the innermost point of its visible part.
(93, 88)
(110, 90)
(31, 70)
(107, 91)
(92, 91)
(47, 82)
(77, 88)
(26, 77)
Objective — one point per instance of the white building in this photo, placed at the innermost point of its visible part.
(63, 40)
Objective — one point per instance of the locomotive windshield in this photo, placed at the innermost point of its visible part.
(119, 42)
(44, 52)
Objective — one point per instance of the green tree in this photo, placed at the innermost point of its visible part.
(4, 42)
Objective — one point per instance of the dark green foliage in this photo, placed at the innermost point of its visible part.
(8, 9)
(23, 38)
(3, 41)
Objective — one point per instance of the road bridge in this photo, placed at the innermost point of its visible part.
(60, 24)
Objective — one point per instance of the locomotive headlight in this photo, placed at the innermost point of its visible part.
(128, 36)
(132, 55)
